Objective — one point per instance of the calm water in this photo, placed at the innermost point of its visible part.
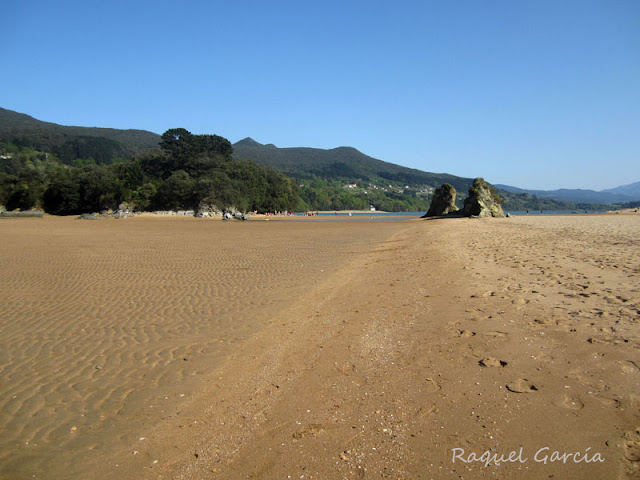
(555, 212)
(363, 216)
(396, 216)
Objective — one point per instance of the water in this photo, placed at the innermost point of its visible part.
(397, 216)
(362, 216)
(555, 212)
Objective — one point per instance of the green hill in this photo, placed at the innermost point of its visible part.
(334, 179)
(103, 145)
(345, 163)
(345, 178)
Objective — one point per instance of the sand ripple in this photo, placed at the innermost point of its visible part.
(106, 325)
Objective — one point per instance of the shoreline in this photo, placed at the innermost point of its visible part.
(299, 215)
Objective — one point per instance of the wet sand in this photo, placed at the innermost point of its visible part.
(185, 348)
(107, 326)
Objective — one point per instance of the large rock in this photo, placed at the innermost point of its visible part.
(34, 212)
(233, 212)
(207, 210)
(122, 212)
(443, 201)
(482, 201)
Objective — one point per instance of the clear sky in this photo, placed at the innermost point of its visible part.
(534, 94)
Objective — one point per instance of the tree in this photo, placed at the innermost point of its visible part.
(22, 197)
(100, 189)
(62, 197)
(176, 192)
(143, 197)
(213, 144)
(178, 142)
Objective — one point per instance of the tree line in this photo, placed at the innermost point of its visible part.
(185, 172)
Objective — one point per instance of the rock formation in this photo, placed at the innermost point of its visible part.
(232, 212)
(207, 210)
(122, 212)
(34, 212)
(482, 201)
(443, 201)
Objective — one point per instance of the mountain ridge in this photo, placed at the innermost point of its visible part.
(340, 162)
(622, 194)
(73, 142)
(106, 145)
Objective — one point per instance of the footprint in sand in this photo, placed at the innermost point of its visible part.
(492, 362)
(466, 333)
(608, 402)
(312, 429)
(521, 385)
(629, 366)
(452, 325)
(432, 385)
(496, 334)
(572, 403)
(608, 339)
(545, 358)
(347, 368)
(423, 413)
(632, 451)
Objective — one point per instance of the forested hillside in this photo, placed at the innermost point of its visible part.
(184, 172)
(73, 144)
(79, 169)
(344, 178)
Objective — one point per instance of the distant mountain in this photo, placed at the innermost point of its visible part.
(344, 166)
(631, 190)
(71, 143)
(623, 194)
(328, 174)
(345, 163)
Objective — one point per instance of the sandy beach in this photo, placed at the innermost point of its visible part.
(188, 348)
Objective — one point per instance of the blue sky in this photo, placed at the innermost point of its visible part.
(535, 94)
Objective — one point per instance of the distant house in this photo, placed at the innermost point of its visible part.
(373, 209)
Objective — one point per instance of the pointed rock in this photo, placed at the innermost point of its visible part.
(482, 201)
(443, 201)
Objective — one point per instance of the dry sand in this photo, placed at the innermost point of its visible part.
(184, 348)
